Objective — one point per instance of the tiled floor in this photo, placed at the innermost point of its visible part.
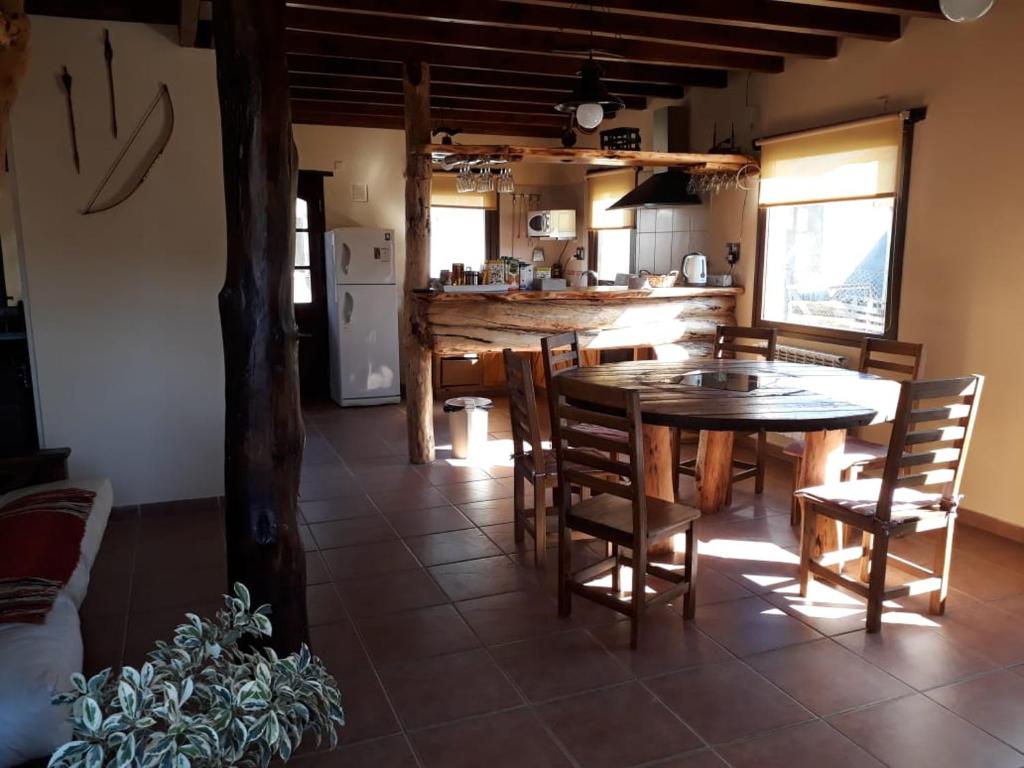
(448, 650)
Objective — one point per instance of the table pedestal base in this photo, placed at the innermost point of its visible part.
(823, 452)
(659, 476)
(714, 471)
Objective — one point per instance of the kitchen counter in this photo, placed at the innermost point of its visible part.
(607, 317)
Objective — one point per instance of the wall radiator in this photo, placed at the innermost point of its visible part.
(787, 354)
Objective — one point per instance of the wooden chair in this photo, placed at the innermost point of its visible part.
(730, 339)
(531, 462)
(559, 353)
(621, 513)
(876, 355)
(918, 491)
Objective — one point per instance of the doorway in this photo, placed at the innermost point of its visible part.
(311, 286)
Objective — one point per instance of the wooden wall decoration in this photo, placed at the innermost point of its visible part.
(264, 433)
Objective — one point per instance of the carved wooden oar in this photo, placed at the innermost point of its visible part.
(108, 55)
(66, 79)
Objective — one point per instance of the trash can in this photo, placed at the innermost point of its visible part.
(467, 421)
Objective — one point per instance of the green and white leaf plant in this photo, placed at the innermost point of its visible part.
(203, 701)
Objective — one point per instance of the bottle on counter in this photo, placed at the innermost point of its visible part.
(458, 274)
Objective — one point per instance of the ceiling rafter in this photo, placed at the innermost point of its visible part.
(925, 8)
(333, 97)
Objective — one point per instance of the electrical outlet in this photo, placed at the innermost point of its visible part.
(580, 254)
(732, 253)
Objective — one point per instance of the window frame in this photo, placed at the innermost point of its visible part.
(897, 244)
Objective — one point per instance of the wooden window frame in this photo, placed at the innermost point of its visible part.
(896, 248)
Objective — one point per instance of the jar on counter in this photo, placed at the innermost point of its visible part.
(458, 274)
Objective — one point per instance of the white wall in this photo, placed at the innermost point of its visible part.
(123, 304)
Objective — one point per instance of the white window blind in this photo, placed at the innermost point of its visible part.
(443, 193)
(606, 188)
(846, 162)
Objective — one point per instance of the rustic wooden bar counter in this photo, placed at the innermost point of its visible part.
(605, 317)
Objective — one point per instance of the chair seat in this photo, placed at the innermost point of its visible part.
(616, 514)
(861, 497)
(855, 452)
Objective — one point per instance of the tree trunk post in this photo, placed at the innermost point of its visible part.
(264, 433)
(419, 394)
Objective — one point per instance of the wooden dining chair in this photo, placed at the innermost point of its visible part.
(918, 491)
(761, 343)
(893, 359)
(620, 513)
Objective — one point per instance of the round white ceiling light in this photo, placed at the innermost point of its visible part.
(589, 116)
(965, 10)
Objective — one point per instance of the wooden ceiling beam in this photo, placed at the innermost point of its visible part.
(392, 70)
(148, 12)
(604, 25)
(924, 8)
(377, 85)
(333, 97)
(301, 116)
(521, 40)
(188, 23)
(313, 44)
(762, 14)
(448, 116)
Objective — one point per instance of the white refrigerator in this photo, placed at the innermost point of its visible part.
(362, 310)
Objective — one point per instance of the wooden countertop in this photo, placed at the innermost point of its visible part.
(599, 293)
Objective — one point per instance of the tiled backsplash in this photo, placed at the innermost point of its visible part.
(665, 235)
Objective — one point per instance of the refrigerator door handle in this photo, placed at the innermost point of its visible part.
(346, 258)
(347, 307)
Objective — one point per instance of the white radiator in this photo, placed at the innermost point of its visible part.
(787, 354)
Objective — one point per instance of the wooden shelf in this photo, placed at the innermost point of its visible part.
(691, 161)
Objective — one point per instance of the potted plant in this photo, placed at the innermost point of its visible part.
(203, 700)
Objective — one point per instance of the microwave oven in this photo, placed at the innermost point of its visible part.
(555, 225)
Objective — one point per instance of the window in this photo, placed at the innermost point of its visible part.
(457, 235)
(303, 286)
(614, 253)
(832, 214)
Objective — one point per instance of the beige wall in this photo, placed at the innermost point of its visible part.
(123, 304)
(963, 265)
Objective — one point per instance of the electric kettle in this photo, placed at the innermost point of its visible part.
(695, 268)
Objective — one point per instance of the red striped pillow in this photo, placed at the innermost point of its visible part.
(40, 544)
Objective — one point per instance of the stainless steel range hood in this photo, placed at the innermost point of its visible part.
(667, 187)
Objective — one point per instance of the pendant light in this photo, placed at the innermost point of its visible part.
(590, 102)
(965, 10)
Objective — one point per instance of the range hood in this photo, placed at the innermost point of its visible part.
(667, 187)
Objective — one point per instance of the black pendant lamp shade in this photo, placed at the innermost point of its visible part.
(591, 90)
(663, 190)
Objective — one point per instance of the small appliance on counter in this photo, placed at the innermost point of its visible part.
(554, 224)
(695, 268)
(720, 281)
(549, 284)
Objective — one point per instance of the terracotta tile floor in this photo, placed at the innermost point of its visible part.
(449, 652)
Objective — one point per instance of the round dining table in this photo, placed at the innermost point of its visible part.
(723, 397)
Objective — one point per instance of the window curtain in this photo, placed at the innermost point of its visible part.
(605, 188)
(845, 162)
(442, 193)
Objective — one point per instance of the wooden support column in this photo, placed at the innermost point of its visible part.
(419, 394)
(264, 433)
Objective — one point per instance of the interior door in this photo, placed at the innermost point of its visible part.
(311, 286)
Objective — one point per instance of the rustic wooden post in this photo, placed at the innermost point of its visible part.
(419, 393)
(14, 37)
(263, 424)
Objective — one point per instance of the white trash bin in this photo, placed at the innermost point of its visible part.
(467, 421)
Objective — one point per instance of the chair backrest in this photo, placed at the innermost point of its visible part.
(522, 406)
(902, 358)
(584, 455)
(560, 353)
(935, 418)
(730, 339)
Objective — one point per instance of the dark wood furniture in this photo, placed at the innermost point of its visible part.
(721, 397)
(884, 356)
(18, 433)
(531, 462)
(918, 491)
(760, 343)
(620, 513)
(46, 466)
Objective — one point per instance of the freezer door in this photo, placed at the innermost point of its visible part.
(368, 333)
(364, 256)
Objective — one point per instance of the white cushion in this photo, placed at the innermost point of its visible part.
(37, 660)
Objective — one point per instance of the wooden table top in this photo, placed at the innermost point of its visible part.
(748, 395)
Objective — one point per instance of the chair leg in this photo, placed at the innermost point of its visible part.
(612, 550)
(943, 559)
(876, 583)
(866, 542)
(676, 451)
(806, 545)
(762, 451)
(540, 524)
(564, 566)
(518, 504)
(690, 563)
(794, 502)
(639, 597)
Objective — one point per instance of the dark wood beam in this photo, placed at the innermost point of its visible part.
(925, 8)
(307, 117)
(459, 75)
(325, 84)
(148, 12)
(188, 23)
(761, 14)
(604, 25)
(330, 97)
(521, 40)
(313, 44)
(449, 116)
(263, 435)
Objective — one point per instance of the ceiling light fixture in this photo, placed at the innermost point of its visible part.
(965, 10)
(590, 102)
